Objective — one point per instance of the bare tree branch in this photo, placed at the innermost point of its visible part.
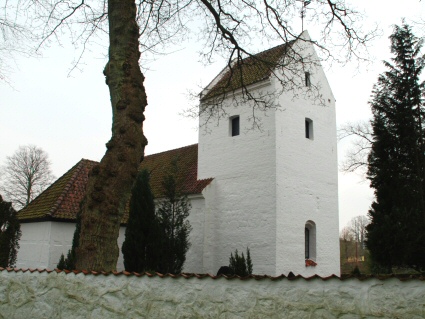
(360, 135)
(16, 37)
(231, 26)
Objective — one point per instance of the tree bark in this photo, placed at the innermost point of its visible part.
(110, 182)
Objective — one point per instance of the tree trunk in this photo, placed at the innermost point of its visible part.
(110, 182)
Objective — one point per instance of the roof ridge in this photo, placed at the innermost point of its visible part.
(269, 49)
(230, 65)
(249, 70)
(87, 160)
(174, 149)
(205, 179)
(68, 185)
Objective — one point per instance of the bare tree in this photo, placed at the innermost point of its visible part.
(360, 135)
(25, 175)
(358, 228)
(135, 26)
(346, 234)
(346, 241)
(352, 238)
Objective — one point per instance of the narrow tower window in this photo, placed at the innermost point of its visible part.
(307, 79)
(308, 128)
(234, 125)
(307, 243)
(310, 240)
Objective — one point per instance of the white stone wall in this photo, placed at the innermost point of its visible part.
(34, 250)
(194, 256)
(121, 237)
(42, 244)
(60, 241)
(241, 209)
(57, 295)
(307, 176)
(269, 182)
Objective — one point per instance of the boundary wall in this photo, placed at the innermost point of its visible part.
(59, 294)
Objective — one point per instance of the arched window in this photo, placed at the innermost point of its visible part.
(310, 240)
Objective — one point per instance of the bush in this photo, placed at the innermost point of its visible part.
(239, 265)
(10, 233)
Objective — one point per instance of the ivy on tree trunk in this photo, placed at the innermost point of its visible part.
(110, 182)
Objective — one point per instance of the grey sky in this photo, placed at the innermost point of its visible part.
(70, 117)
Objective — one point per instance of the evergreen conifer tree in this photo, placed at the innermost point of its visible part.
(141, 247)
(249, 266)
(172, 213)
(10, 233)
(396, 234)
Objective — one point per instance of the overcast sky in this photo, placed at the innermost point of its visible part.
(70, 116)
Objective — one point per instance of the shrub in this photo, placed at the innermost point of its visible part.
(10, 233)
(239, 265)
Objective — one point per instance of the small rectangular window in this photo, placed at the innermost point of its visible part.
(234, 123)
(308, 128)
(307, 79)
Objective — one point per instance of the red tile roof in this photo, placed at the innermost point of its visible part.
(160, 164)
(249, 71)
(61, 201)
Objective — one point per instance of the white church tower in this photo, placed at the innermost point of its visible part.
(275, 186)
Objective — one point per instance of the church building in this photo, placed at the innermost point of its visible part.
(263, 175)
